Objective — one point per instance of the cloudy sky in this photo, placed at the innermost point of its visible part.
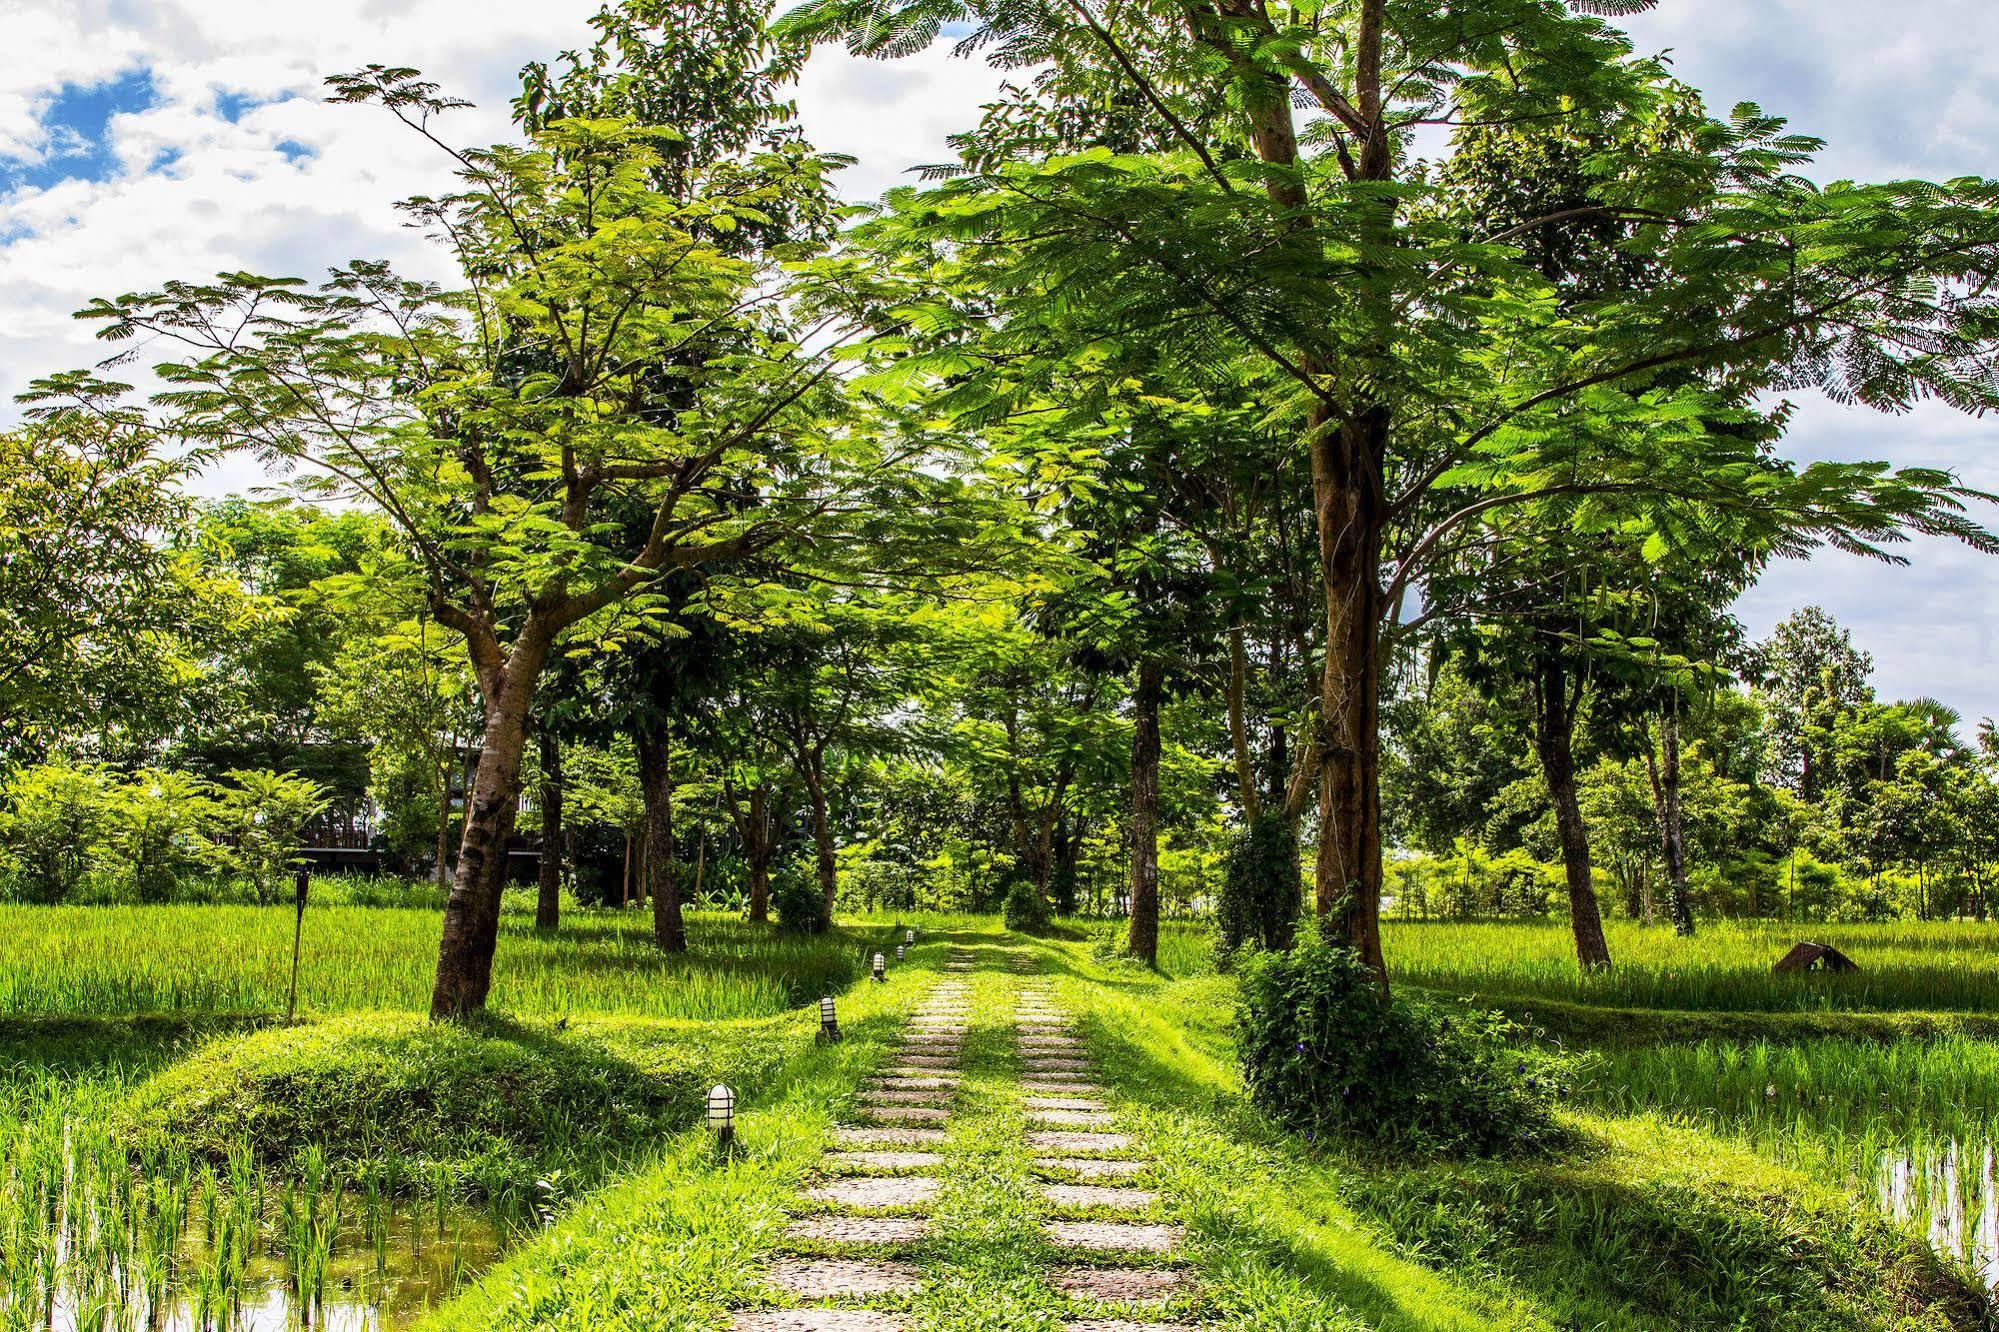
(147, 139)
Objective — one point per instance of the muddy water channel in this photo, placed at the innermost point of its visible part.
(1948, 1193)
(188, 1253)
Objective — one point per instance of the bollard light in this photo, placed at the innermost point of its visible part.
(829, 1022)
(909, 936)
(900, 949)
(722, 1114)
(881, 967)
(301, 880)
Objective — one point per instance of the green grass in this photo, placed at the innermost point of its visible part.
(1933, 967)
(201, 960)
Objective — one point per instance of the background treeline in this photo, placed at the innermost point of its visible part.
(255, 684)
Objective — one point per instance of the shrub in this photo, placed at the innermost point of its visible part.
(795, 897)
(56, 819)
(1325, 1049)
(1026, 909)
(260, 818)
(160, 821)
(1261, 888)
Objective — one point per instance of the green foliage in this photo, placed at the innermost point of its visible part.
(1026, 909)
(1325, 1050)
(1261, 889)
(159, 827)
(258, 819)
(54, 825)
(797, 902)
(1062, 887)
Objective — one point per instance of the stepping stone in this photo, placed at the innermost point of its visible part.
(905, 1096)
(904, 1114)
(916, 1082)
(1084, 1120)
(1064, 1103)
(947, 1075)
(925, 1063)
(1124, 1325)
(1060, 1087)
(833, 1278)
(1123, 1285)
(858, 1229)
(1122, 1236)
(1045, 1064)
(866, 1161)
(1087, 1168)
(1097, 1195)
(876, 1191)
(1079, 1142)
(888, 1137)
(1044, 1046)
(815, 1320)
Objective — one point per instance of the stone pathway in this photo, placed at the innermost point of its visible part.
(1115, 1250)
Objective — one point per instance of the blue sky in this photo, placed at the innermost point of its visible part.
(158, 138)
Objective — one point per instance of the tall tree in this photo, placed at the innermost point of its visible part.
(500, 426)
(1429, 377)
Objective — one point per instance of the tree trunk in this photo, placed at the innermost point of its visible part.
(1554, 738)
(472, 912)
(548, 898)
(1143, 940)
(822, 833)
(1665, 772)
(443, 824)
(757, 848)
(662, 868)
(1348, 504)
(1238, 683)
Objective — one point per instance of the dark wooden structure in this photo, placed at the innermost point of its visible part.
(1815, 957)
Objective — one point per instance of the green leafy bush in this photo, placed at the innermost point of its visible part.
(800, 906)
(1261, 887)
(258, 821)
(160, 820)
(1026, 908)
(56, 819)
(1325, 1050)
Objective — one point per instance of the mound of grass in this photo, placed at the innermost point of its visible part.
(498, 1105)
(1667, 1228)
(1636, 1028)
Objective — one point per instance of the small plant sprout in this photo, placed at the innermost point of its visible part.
(722, 1114)
(881, 967)
(829, 1021)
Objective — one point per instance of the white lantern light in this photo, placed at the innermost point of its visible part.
(881, 967)
(909, 936)
(829, 1022)
(900, 950)
(722, 1114)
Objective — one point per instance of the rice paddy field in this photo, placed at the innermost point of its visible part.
(236, 960)
(172, 1157)
(1940, 966)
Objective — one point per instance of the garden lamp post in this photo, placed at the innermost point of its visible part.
(909, 936)
(900, 951)
(722, 1114)
(881, 967)
(301, 878)
(829, 1022)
